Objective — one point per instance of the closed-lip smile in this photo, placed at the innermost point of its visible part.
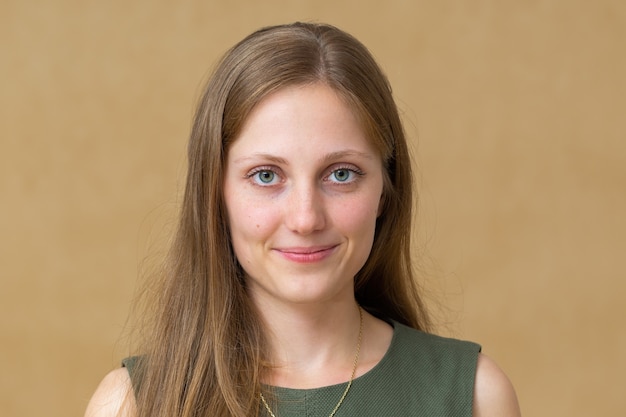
(306, 254)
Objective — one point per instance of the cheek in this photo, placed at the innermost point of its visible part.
(250, 222)
(357, 217)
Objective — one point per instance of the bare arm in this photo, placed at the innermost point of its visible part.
(114, 396)
(494, 395)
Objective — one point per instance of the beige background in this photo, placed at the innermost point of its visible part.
(516, 110)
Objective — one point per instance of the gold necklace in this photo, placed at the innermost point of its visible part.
(356, 361)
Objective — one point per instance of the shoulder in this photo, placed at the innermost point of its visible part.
(494, 394)
(443, 361)
(113, 397)
(430, 344)
(437, 373)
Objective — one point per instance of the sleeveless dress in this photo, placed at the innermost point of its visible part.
(420, 375)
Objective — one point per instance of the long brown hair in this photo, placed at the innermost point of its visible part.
(205, 351)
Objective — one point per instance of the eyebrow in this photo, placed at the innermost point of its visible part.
(264, 156)
(333, 156)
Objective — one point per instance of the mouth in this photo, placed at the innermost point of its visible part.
(306, 254)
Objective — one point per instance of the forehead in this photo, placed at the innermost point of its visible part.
(306, 117)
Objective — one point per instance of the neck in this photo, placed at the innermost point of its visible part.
(311, 345)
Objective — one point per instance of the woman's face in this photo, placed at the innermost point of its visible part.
(302, 189)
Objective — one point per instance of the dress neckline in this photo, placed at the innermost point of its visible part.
(291, 393)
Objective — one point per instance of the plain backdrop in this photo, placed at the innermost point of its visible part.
(515, 112)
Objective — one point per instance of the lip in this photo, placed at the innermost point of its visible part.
(309, 254)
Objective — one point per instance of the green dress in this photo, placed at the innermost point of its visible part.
(420, 375)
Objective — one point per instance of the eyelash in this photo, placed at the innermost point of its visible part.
(254, 172)
(351, 169)
(275, 172)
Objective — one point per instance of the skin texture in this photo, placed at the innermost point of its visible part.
(494, 394)
(302, 189)
(113, 397)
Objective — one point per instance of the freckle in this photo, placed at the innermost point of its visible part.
(257, 226)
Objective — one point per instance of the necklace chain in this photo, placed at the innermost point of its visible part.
(354, 366)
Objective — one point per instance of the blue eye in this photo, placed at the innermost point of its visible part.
(265, 176)
(342, 174)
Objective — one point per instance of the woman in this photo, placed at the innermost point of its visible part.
(288, 289)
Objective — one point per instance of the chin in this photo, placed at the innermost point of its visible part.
(305, 290)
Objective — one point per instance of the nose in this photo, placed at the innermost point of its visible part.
(305, 210)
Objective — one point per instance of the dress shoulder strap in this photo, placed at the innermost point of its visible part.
(133, 365)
